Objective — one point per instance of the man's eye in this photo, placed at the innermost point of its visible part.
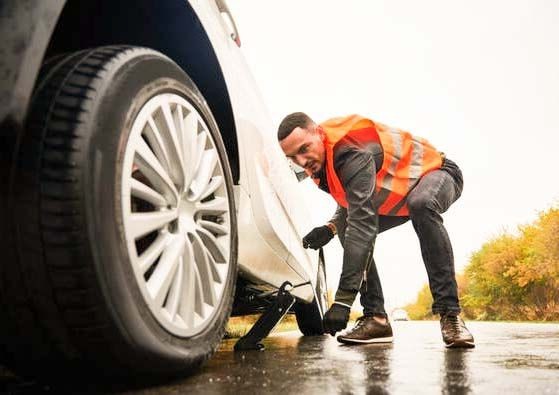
(303, 149)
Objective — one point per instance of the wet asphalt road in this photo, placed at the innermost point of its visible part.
(508, 359)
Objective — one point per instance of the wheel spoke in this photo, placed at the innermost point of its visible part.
(177, 164)
(177, 120)
(217, 206)
(218, 271)
(212, 245)
(153, 136)
(198, 287)
(200, 148)
(150, 166)
(214, 184)
(190, 138)
(204, 173)
(153, 252)
(217, 229)
(160, 281)
(175, 292)
(144, 223)
(206, 272)
(142, 191)
(188, 297)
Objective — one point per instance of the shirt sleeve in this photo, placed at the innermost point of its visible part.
(339, 218)
(356, 169)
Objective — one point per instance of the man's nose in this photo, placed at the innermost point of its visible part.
(300, 160)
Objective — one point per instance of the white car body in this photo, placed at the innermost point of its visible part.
(272, 215)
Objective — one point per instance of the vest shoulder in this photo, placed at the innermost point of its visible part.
(346, 121)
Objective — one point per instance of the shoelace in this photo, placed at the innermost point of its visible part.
(359, 322)
(455, 324)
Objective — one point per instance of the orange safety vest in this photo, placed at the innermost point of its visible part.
(406, 159)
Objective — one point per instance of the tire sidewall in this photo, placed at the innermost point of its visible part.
(131, 80)
(309, 315)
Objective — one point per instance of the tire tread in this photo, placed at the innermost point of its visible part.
(51, 307)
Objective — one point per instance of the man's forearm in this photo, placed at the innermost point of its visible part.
(357, 257)
(357, 172)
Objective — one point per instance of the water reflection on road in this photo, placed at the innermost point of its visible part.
(509, 358)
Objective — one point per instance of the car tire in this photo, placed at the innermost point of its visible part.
(309, 315)
(125, 231)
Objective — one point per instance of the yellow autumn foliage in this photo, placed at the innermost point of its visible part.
(511, 277)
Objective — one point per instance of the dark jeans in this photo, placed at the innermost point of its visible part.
(432, 196)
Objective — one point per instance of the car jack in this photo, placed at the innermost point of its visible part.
(268, 320)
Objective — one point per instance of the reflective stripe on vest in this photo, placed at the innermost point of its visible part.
(406, 159)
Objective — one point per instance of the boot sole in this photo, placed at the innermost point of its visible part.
(368, 341)
(460, 344)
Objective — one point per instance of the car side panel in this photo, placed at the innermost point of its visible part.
(266, 176)
(256, 263)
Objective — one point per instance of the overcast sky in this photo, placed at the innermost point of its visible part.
(478, 79)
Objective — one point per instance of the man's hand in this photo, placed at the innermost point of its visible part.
(336, 318)
(318, 237)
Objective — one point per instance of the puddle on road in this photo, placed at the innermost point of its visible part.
(530, 361)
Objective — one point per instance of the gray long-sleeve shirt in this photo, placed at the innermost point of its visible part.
(356, 166)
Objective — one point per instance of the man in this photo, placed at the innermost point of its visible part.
(380, 177)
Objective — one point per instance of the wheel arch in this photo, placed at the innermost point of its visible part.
(170, 27)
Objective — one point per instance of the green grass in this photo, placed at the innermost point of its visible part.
(239, 326)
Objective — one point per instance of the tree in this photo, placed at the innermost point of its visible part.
(512, 277)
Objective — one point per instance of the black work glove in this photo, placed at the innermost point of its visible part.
(318, 237)
(336, 318)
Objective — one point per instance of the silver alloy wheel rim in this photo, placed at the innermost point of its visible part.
(176, 214)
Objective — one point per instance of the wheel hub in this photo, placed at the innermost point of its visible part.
(186, 222)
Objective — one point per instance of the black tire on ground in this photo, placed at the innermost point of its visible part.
(309, 315)
(72, 300)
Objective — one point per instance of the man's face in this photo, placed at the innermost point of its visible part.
(305, 147)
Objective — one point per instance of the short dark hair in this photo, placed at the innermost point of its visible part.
(292, 121)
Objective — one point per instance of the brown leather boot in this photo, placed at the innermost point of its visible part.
(454, 331)
(368, 330)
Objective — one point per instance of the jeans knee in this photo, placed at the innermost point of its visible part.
(419, 205)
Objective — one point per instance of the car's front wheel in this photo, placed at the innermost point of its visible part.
(124, 219)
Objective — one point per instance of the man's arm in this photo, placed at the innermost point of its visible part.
(339, 218)
(356, 169)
